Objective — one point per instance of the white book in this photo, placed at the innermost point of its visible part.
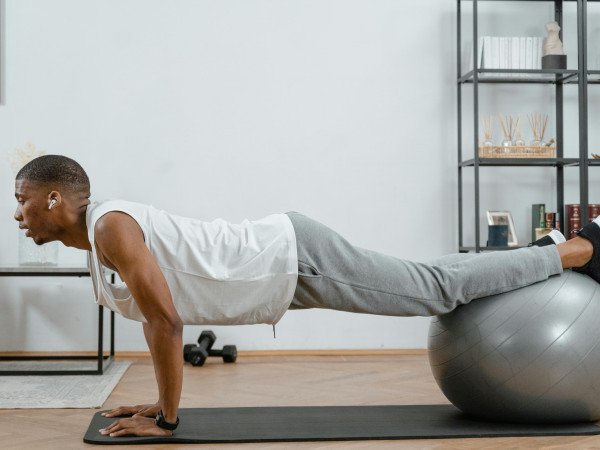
(522, 52)
(535, 52)
(514, 53)
(487, 52)
(495, 52)
(502, 51)
(468, 56)
(507, 56)
(479, 54)
(540, 52)
(529, 53)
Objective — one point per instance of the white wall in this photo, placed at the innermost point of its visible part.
(344, 110)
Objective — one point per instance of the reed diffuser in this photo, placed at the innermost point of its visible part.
(519, 141)
(487, 125)
(508, 125)
(538, 123)
(31, 254)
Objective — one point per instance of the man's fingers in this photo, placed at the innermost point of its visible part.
(115, 412)
(112, 427)
(121, 411)
(115, 426)
(128, 410)
(123, 432)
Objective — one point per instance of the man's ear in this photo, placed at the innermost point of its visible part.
(54, 199)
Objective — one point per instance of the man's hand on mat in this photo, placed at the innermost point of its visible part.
(135, 426)
(140, 410)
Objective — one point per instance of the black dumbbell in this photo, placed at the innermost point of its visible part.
(196, 354)
(228, 353)
(205, 341)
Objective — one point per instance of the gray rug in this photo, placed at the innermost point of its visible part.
(58, 391)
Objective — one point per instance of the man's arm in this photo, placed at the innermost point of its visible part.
(148, 410)
(120, 240)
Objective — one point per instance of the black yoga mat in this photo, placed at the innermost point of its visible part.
(325, 423)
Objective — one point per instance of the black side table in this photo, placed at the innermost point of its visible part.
(104, 362)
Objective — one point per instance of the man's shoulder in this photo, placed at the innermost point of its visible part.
(100, 208)
(114, 211)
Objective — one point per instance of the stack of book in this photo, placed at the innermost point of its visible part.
(573, 215)
(542, 221)
(497, 52)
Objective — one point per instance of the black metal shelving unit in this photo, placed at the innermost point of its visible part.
(582, 77)
(103, 362)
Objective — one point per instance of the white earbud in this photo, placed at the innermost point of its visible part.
(52, 203)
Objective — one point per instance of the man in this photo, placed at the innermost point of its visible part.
(180, 271)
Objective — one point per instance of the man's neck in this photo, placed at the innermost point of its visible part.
(77, 236)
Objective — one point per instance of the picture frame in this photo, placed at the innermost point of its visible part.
(504, 218)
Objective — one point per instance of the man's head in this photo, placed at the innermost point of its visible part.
(52, 192)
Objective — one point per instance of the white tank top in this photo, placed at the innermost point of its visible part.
(218, 273)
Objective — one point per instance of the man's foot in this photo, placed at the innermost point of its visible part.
(553, 238)
(591, 232)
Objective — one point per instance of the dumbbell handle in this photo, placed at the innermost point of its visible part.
(204, 342)
(212, 352)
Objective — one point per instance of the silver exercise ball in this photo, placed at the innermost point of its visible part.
(530, 355)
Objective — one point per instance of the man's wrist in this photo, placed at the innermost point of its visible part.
(163, 422)
(171, 418)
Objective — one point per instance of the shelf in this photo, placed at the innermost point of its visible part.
(520, 1)
(593, 78)
(44, 271)
(522, 76)
(580, 156)
(523, 162)
(465, 249)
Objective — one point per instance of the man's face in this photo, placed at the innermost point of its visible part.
(32, 211)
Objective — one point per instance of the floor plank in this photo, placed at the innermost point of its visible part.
(271, 381)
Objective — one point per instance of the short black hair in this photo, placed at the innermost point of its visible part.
(55, 169)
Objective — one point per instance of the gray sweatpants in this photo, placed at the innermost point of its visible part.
(335, 274)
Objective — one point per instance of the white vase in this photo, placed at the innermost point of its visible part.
(31, 254)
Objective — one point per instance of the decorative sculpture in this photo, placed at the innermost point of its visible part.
(554, 55)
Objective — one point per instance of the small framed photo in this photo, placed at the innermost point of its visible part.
(504, 218)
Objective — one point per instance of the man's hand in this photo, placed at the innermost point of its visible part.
(140, 410)
(135, 426)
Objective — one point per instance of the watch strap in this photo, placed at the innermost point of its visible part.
(162, 423)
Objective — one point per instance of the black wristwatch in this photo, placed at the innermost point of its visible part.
(162, 423)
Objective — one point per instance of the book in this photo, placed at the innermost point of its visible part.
(495, 52)
(538, 218)
(487, 53)
(593, 211)
(534, 53)
(522, 52)
(529, 53)
(479, 55)
(514, 53)
(573, 220)
(557, 221)
(549, 220)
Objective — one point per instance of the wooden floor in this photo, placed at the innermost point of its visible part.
(270, 381)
